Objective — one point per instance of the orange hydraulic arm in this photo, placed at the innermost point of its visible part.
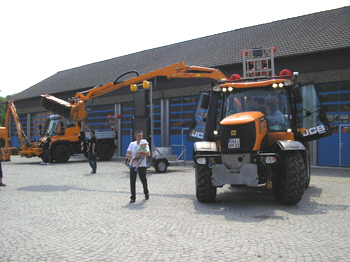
(11, 109)
(28, 149)
(76, 109)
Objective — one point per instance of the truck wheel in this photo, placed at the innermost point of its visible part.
(160, 165)
(205, 191)
(61, 154)
(105, 152)
(289, 180)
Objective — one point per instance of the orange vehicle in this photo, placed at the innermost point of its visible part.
(28, 148)
(68, 138)
(248, 130)
(255, 130)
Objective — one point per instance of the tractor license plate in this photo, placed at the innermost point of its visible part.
(234, 143)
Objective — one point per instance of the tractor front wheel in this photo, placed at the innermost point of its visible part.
(289, 179)
(205, 191)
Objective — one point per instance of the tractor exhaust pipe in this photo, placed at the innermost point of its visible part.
(76, 110)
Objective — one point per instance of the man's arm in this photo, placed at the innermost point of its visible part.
(128, 154)
(93, 147)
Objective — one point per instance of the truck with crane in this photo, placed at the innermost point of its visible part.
(249, 130)
(68, 138)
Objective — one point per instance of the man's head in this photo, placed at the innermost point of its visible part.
(139, 135)
(92, 132)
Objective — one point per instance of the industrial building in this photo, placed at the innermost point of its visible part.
(315, 45)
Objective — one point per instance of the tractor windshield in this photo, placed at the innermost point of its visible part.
(51, 127)
(272, 103)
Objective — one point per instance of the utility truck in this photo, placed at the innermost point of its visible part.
(68, 138)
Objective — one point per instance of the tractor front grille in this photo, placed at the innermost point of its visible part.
(235, 161)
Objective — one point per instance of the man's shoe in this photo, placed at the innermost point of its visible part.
(93, 172)
(47, 163)
(2, 184)
(42, 163)
(146, 196)
(132, 200)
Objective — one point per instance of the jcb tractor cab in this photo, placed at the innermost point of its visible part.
(254, 130)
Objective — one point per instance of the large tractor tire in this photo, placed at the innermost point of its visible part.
(105, 152)
(205, 191)
(61, 154)
(289, 180)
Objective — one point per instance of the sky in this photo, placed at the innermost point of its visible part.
(42, 37)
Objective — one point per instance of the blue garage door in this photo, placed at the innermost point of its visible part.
(335, 150)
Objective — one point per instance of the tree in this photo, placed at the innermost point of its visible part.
(3, 106)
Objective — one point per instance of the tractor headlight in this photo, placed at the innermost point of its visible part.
(270, 160)
(201, 160)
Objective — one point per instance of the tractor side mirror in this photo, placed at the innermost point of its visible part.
(204, 100)
(297, 95)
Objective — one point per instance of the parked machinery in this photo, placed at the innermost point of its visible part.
(254, 130)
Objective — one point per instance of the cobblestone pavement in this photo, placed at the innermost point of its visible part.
(61, 212)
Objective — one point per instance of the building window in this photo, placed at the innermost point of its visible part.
(335, 98)
(98, 117)
(181, 111)
(126, 119)
(37, 119)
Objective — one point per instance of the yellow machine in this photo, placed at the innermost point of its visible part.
(67, 135)
(255, 130)
(28, 148)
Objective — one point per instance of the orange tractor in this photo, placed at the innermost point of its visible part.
(255, 130)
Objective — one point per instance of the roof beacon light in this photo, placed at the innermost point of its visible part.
(235, 77)
(286, 73)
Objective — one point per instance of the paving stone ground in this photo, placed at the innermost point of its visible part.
(61, 212)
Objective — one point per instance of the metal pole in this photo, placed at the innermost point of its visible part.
(151, 112)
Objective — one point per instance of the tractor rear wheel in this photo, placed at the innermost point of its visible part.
(289, 179)
(205, 191)
(105, 152)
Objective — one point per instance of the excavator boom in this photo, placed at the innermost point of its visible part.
(76, 109)
(11, 109)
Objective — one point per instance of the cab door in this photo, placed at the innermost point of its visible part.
(205, 117)
(197, 127)
(312, 122)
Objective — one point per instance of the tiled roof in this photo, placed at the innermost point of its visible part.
(305, 34)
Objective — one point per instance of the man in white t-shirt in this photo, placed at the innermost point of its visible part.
(130, 153)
